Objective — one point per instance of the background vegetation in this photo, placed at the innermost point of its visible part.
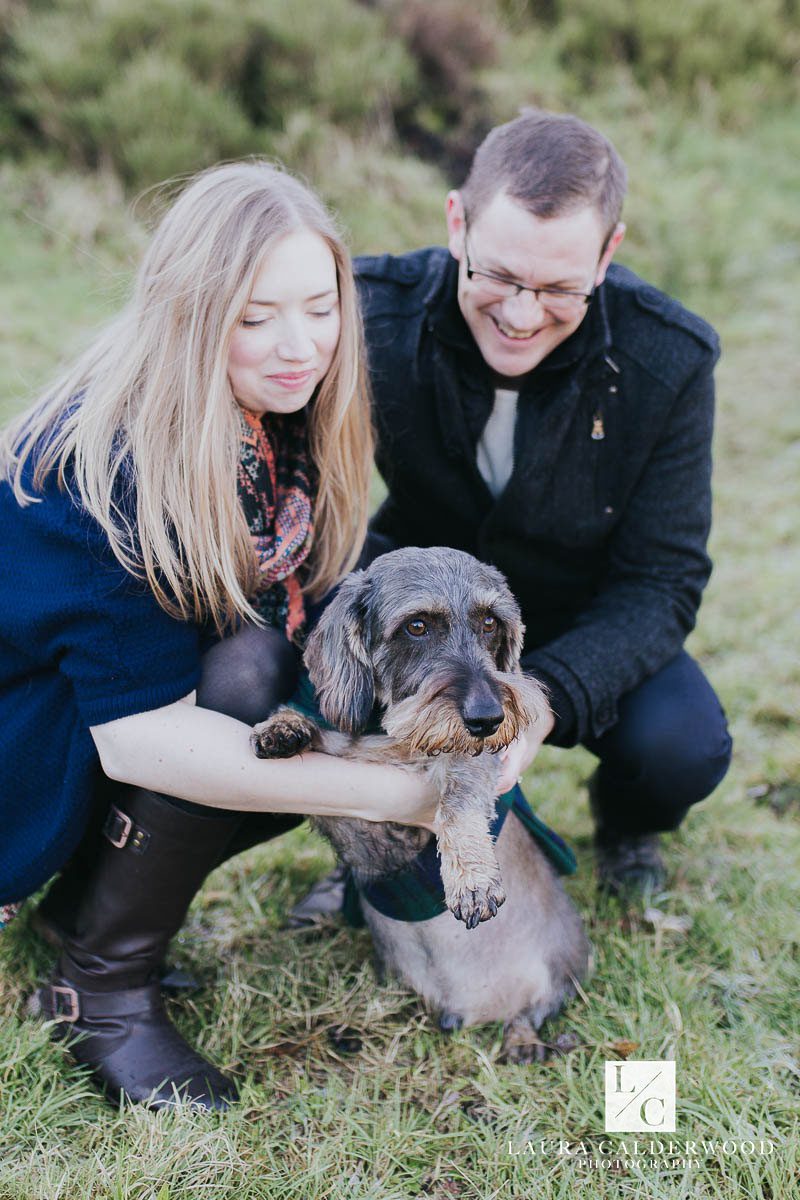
(348, 1090)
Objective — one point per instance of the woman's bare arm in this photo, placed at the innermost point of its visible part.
(203, 756)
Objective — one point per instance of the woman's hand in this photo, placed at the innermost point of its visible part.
(409, 798)
(515, 760)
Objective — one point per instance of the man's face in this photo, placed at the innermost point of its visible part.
(515, 332)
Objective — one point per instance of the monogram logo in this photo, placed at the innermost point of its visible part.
(640, 1096)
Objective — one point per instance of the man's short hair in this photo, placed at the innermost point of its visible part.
(549, 163)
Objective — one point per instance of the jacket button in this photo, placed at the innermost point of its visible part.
(613, 389)
(608, 510)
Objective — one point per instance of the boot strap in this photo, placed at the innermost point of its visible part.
(121, 831)
(68, 1004)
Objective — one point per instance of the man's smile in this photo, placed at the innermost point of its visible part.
(516, 335)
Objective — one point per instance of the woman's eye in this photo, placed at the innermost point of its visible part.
(254, 322)
(417, 628)
(489, 624)
(326, 313)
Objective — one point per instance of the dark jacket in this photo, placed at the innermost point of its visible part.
(602, 538)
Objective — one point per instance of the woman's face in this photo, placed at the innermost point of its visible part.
(285, 342)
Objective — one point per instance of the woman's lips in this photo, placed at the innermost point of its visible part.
(292, 381)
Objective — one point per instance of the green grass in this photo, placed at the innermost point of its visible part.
(410, 1114)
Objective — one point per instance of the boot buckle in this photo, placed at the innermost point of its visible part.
(70, 996)
(121, 831)
(118, 827)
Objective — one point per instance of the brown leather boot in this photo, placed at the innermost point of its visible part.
(105, 995)
(54, 917)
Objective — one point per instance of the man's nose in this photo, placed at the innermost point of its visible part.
(524, 309)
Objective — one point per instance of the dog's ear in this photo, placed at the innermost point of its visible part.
(338, 657)
(512, 633)
(510, 648)
(502, 602)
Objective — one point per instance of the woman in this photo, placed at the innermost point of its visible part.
(167, 511)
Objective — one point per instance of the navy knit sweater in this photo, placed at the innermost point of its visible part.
(81, 643)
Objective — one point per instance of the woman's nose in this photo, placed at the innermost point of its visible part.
(295, 343)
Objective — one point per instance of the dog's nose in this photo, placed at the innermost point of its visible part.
(483, 726)
(481, 709)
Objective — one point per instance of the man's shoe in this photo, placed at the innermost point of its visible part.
(322, 903)
(629, 863)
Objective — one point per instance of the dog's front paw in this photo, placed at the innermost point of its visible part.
(473, 905)
(283, 735)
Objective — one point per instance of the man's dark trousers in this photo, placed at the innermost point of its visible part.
(668, 750)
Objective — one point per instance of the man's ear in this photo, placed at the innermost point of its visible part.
(456, 224)
(608, 253)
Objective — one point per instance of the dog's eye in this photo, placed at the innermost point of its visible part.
(489, 624)
(417, 627)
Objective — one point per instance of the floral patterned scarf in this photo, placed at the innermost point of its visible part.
(275, 485)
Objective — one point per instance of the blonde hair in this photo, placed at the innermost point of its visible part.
(149, 407)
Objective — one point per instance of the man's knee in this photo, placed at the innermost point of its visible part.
(670, 749)
(679, 762)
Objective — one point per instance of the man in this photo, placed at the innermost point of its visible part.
(551, 413)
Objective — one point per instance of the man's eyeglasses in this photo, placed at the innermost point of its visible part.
(558, 301)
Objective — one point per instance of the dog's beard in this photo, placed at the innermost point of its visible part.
(427, 724)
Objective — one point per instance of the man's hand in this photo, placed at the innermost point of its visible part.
(515, 760)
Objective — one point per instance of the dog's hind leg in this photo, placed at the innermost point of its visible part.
(522, 1035)
(521, 1041)
(450, 1022)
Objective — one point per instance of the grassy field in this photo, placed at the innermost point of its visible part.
(348, 1089)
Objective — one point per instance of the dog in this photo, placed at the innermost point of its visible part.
(433, 638)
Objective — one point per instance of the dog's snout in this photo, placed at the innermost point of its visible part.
(482, 712)
(483, 727)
